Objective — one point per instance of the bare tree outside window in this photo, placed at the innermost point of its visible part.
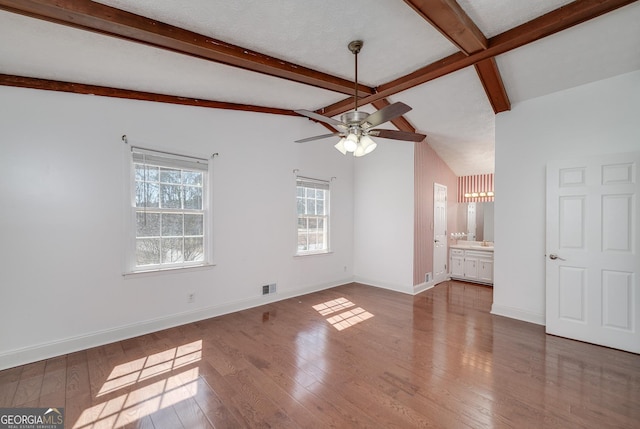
(170, 212)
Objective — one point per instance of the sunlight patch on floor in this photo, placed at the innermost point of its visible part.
(129, 407)
(345, 319)
(132, 372)
(333, 306)
(349, 318)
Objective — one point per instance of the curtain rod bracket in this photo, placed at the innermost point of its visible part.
(124, 139)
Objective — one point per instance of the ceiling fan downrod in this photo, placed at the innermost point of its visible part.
(355, 47)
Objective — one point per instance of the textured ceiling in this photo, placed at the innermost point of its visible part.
(604, 47)
(497, 16)
(311, 33)
(453, 110)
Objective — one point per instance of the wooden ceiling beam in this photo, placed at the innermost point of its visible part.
(491, 81)
(102, 19)
(553, 22)
(78, 88)
(493, 86)
(453, 23)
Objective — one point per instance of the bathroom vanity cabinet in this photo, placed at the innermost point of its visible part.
(471, 263)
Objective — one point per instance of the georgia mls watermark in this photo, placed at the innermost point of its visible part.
(31, 418)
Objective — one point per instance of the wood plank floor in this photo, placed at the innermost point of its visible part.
(353, 356)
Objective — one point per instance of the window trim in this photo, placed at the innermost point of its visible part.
(327, 216)
(131, 269)
(167, 270)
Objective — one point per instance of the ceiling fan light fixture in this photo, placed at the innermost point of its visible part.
(368, 144)
(351, 143)
(340, 146)
(365, 145)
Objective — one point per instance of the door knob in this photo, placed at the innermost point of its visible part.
(553, 257)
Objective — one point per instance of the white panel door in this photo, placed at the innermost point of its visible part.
(439, 233)
(592, 255)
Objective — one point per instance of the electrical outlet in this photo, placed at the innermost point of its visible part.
(191, 297)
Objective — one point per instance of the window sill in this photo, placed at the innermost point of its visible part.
(170, 270)
(302, 255)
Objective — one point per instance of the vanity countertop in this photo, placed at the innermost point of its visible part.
(473, 246)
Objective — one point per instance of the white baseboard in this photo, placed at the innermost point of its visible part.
(415, 289)
(428, 285)
(423, 286)
(383, 285)
(42, 351)
(519, 314)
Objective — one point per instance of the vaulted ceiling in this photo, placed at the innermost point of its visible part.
(458, 64)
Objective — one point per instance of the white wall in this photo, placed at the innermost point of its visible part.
(597, 118)
(63, 230)
(383, 216)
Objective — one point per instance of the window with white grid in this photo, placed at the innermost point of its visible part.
(169, 205)
(312, 199)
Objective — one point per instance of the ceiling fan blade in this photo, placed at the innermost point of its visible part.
(397, 135)
(321, 118)
(323, 136)
(385, 114)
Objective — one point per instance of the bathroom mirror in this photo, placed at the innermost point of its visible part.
(476, 220)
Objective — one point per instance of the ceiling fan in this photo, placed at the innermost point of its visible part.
(356, 127)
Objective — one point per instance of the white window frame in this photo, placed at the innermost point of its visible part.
(307, 182)
(176, 161)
